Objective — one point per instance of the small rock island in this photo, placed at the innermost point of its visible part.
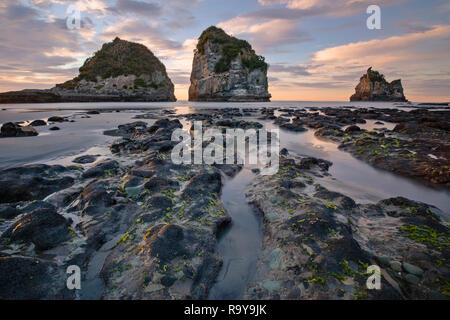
(374, 87)
(227, 69)
(119, 71)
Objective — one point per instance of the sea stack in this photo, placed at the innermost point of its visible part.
(373, 87)
(119, 71)
(227, 69)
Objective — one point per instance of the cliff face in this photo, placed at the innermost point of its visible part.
(119, 71)
(373, 87)
(227, 69)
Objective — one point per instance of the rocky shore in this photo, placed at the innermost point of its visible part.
(141, 227)
(318, 243)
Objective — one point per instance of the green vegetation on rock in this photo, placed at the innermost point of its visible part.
(231, 48)
(120, 57)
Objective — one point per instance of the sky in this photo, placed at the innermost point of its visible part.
(316, 49)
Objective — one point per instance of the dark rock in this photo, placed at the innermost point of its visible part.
(158, 183)
(241, 124)
(203, 183)
(8, 211)
(126, 130)
(37, 123)
(56, 119)
(296, 126)
(54, 128)
(353, 129)
(43, 227)
(96, 194)
(23, 278)
(14, 130)
(410, 268)
(109, 167)
(166, 242)
(85, 159)
(412, 279)
(32, 182)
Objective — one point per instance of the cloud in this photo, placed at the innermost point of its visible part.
(327, 7)
(265, 34)
(294, 70)
(271, 27)
(148, 9)
(420, 59)
(34, 49)
(412, 26)
(150, 35)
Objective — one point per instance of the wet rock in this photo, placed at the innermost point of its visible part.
(106, 167)
(321, 256)
(54, 128)
(132, 181)
(37, 204)
(353, 128)
(158, 138)
(229, 169)
(56, 119)
(308, 162)
(37, 123)
(412, 279)
(85, 159)
(330, 132)
(45, 228)
(281, 120)
(126, 130)
(14, 130)
(165, 124)
(23, 278)
(396, 266)
(157, 184)
(203, 183)
(32, 182)
(167, 243)
(96, 194)
(405, 156)
(8, 211)
(410, 268)
(160, 202)
(241, 124)
(296, 125)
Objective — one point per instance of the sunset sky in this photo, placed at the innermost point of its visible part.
(316, 49)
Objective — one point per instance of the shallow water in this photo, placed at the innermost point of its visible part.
(241, 244)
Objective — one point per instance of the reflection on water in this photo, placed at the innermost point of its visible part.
(241, 243)
(357, 179)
